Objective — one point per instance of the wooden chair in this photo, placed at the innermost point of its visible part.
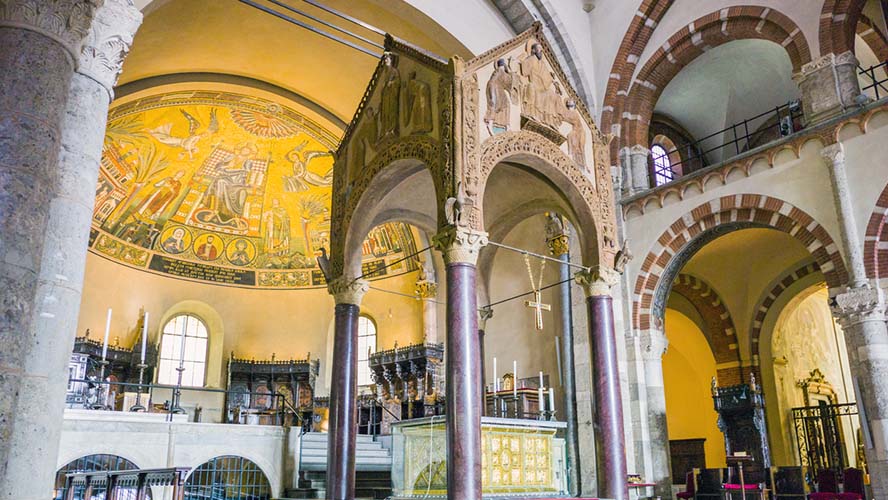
(827, 486)
(690, 486)
(852, 485)
(709, 484)
(788, 483)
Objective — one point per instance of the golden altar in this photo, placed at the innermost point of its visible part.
(523, 458)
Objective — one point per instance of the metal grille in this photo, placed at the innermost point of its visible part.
(90, 463)
(228, 478)
(820, 435)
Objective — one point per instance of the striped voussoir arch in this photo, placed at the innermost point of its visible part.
(838, 25)
(765, 304)
(754, 209)
(875, 245)
(722, 334)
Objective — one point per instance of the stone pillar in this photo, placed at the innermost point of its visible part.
(465, 400)
(427, 290)
(653, 347)
(828, 86)
(608, 416)
(625, 173)
(60, 281)
(484, 314)
(41, 45)
(834, 156)
(861, 313)
(558, 242)
(640, 168)
(343, 427)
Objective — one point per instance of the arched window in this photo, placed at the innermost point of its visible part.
(194, 332)
(228, 477)
(662, 165)
(366, 346)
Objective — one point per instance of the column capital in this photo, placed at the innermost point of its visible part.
(425, 289)
(557, 237)
(833, 154)
(484, 314)
(653, 345)
(597, 281)
(858, 305)
(460, 244)
(639, 149)
(348, 291)
(108, 42)
(65, 21)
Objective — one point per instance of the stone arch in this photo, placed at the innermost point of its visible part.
(722, 334)
(875, 257)
(763, 306)
(711, 219)
(838, 25)
(383, 174)
(690, 42)
(872, 35)
(637, 36)
(266, 468)
(533, 151)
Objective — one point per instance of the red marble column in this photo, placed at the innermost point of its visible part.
(464, 393)
(343, 426)
(608, 420)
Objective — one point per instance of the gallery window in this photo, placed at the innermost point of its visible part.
(194, 356)
(366, 346)
(662, 165)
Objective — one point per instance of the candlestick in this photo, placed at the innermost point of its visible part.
(144, 336)
(541, 402)
(551, 403)
(182, 351)
(495, 379)
(107, 332)
(541, 380)
(515, 379)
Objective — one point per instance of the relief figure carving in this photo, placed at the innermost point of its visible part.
(391, 95)
(419, 105)
(501, 92)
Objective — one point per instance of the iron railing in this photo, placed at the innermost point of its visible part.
(822, 433)
(742, 136)
(124, 484)
(876, 88)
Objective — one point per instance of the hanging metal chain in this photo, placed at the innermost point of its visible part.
(534, 285)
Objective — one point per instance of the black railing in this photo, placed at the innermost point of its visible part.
(279, 408)
(124, 484)
(876, 88)
(742, 136)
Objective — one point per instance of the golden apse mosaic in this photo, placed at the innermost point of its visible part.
(224, 188)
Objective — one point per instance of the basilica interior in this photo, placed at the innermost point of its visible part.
(452, 249)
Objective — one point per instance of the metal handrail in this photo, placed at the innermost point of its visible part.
(876, 82)
(791, 110)
(82, 485)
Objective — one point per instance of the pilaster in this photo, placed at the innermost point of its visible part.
(638, 160)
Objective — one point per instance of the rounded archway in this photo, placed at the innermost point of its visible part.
(228, 477)
(91, 463)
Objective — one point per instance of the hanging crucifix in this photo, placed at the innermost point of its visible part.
(537, 303)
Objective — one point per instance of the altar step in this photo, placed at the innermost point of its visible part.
(369, 485)
(370, 454)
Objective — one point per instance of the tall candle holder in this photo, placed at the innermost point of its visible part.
(102, 400)
(138, 406)
(177, 394)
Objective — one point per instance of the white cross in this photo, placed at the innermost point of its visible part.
(539, 307)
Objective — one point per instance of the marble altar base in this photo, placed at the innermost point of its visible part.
(520, 458)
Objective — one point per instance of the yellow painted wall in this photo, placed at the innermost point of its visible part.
(688, 368)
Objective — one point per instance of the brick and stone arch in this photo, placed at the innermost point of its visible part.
(763, 306)
(838, 25)
(712, 219)
(720, 330)
(875, 245)
(873, 36)
(637, 36)
(694, 39)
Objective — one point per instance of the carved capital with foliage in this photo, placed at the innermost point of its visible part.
(108, 42)
(347, 290)
(460, 244)
(65, 21)
(598, 281)
(425, 289)
(857, 305)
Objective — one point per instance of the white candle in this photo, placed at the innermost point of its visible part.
(515, 379)
(541, 380)
(541, 400)
(551, 399)
(107, 332)
(144, 335)
(182, 350)
(495, 380)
